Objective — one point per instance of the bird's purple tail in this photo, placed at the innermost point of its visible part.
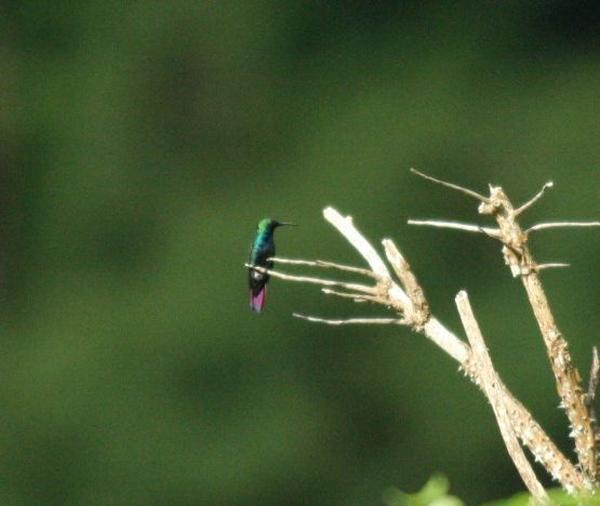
(257, 301)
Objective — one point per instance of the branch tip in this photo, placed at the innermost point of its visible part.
(345, 226)
(551, 265)
(453, 186)
(535, 198)
(563, 224)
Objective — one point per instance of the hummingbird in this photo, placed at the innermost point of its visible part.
(262, 249)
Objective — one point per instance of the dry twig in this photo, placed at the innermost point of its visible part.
(313, 281)
(534, 199)
(349, 321)
(461, 189)
(489, 382)
(325, 265)
(563, 224)
(465, 227)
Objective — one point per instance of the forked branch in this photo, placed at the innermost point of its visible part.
(518, 257)
(406, 298)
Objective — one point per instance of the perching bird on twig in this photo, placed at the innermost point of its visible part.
(262, 249)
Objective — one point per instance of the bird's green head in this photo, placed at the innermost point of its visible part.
(268, 225)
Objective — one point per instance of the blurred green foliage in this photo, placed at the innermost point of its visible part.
(141, 143)
(434, 493)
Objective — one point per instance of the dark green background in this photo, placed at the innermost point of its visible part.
(140, 144)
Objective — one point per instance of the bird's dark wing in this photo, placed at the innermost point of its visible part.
(257, 280)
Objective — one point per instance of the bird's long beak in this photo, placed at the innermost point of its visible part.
(283, 223)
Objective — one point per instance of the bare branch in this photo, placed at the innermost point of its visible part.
(568, 380)
(315, 281)
(325, 265)
(490, 382)
(555, 265)
(527, 429)
(466, 227)
(466, 191)
(350, 321)
(535, 198)
(563, 224)
(435, 331)
(356, 297)
(403, 271)
(417, 313)
(345, 226)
